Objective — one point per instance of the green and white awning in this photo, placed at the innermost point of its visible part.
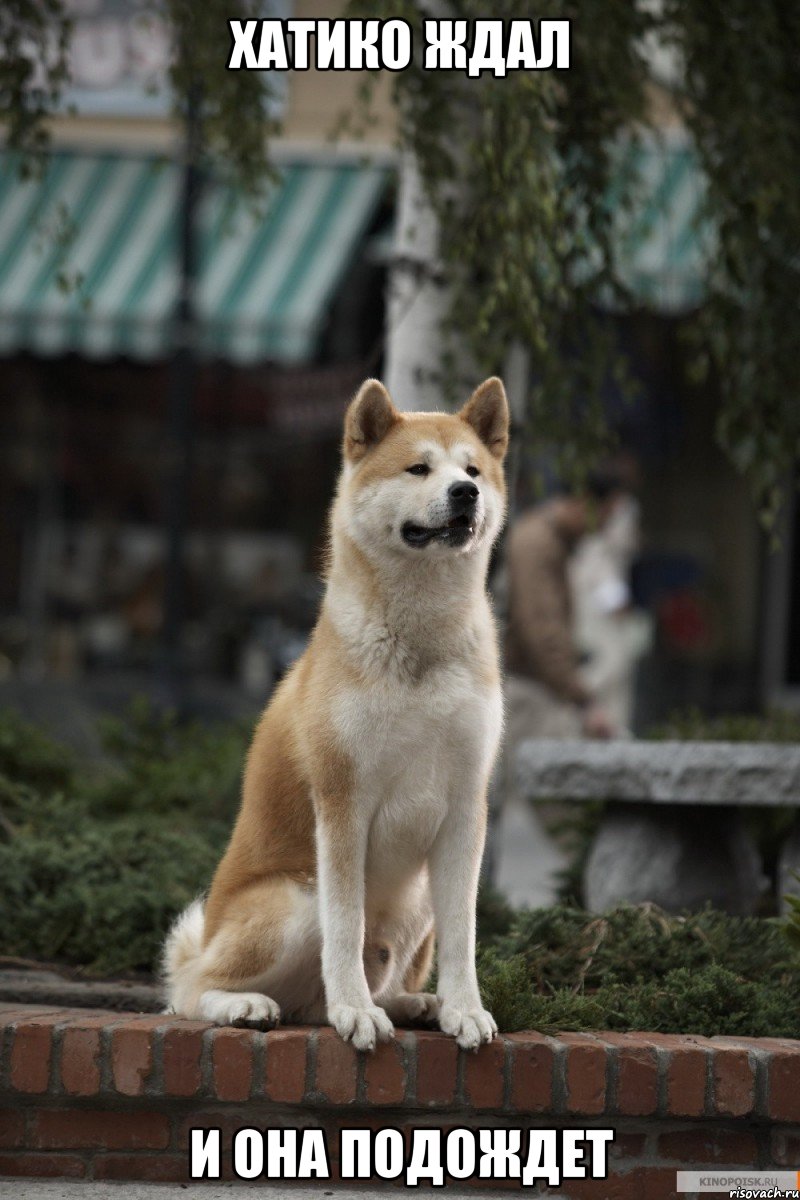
(88, 252)
(663, 246)
(88, 257)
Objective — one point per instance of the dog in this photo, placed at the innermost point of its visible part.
(363, 812)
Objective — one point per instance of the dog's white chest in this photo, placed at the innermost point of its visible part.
(415, 751)
(392, 731)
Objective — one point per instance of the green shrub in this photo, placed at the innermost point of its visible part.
(30, 756)
(567, 947)
(692, 725)
(637, 968)
(100, 894)
(95, 863)
(160, 765)
(710, 1002)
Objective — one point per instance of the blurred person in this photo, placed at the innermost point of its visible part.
(611, 634)
(547, 695)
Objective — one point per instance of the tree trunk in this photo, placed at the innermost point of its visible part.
(417, 300)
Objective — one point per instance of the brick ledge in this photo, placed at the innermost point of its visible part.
(112, 1095)
(79, 1053)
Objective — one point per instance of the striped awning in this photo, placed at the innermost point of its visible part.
(89, 257)
(663, 246)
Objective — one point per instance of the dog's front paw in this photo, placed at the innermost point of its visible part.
(249, 1009)
(469, 1026)
(361, 1026)
(413, 1006)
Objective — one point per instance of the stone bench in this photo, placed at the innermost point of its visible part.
(672, 832)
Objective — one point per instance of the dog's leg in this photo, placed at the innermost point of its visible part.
(341, 857)
(454, 864)
(412, 1003)
(262, 957)
(420, 966)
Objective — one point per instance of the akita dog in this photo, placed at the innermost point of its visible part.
(363, 814)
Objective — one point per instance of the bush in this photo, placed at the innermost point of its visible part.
(637, 968)
(30, 756)
(691, 725)
(159, 765)
(100, 895)
(95, 863)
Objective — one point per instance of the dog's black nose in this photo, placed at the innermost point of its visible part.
(462, 494)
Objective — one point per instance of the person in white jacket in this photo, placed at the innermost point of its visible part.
(610, 634)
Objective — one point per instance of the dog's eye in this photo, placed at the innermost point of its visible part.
(419, 469)
(472, 471)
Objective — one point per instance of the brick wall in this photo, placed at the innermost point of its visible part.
(106, 1095)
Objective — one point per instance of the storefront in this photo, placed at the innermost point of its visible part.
(288, 316)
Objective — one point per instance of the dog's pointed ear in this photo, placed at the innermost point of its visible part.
(487, 412)
(369, 418)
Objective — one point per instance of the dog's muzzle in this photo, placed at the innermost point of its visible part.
(462, 498)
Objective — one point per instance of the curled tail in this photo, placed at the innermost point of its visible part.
(182, 950)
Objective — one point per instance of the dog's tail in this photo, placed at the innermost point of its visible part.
(182, 950)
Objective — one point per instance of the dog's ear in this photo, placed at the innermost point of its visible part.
(487, 412)
(369, 418)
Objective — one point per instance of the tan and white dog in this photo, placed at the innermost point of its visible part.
(364, 802)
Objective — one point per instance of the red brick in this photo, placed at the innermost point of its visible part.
(81, 1017)
(80, 1061)
(131, 1059)
(497, 1185)
(637, 1074)
(784, 1085)
(585, 1074)
(643, 1183)
(752, 1043)
(626, 1146)
(771, 1044)
(785, 1149)
(687, 1071)
(232, 1063)
(182, 1049)
(385, 1073)
(657, 1183)
(227, 1120)
(286, 1065)
(12, 1128)
(709, 1146)
(532, 1073)
(11, 1013)
(152, 1168)
(437, 1063)
(483, 1075)
(615, 1187)
(31, 1054)
(78, 1129)
(734, 1083)
(337, 1066)
(41, 1166)
(89, 1018)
